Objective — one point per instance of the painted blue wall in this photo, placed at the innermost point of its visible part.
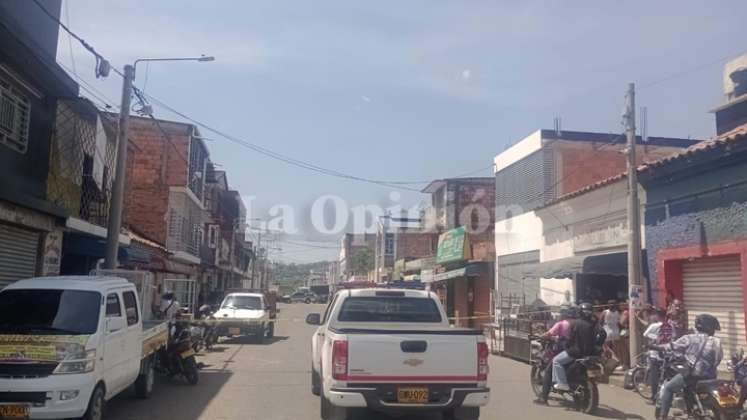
(703, 204)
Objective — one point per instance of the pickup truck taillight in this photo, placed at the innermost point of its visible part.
(482, 361)
(340, 360)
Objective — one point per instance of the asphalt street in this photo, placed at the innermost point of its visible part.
(242, 380)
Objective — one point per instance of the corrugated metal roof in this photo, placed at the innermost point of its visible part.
(738, 134)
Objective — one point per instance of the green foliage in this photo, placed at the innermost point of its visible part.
(362, 262)
(290, 276)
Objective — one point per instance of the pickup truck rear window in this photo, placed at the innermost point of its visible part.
(42, 311)
(389, 309)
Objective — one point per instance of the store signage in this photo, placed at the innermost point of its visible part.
(600, 236)
(453, 245)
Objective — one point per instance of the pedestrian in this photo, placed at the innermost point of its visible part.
(611, 324)
(677, 315)
(623, 344)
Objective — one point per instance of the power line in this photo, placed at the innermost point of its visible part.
(69, 37)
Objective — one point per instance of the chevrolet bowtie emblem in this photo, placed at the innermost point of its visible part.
(413, 362)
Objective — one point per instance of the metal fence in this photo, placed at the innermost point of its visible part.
(81, 160)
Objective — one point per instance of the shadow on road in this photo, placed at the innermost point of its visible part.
(252, 340)
(603, 411)
(171, 399)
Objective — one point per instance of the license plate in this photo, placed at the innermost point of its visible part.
(14, 411)
(412, 395)
(234, 331)
(188, 353)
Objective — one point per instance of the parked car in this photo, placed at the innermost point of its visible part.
(68, 344)
(245, 314)
(393, 351)
(305, 296)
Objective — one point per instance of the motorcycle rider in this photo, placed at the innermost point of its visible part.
(703, 353)
(581, 344)
(659, 332)
(560, 333)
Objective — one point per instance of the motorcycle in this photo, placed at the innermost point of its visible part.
(178, 358)
(715, 399)
(582, 375)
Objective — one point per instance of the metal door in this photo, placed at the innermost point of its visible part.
(19, 251)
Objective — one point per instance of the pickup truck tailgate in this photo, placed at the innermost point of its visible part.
(444, 356)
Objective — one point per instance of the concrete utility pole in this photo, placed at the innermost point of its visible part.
(634, 225)
(256, 255)
(115, 209)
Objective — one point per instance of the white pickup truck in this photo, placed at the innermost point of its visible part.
(393, 351)
(68, 344)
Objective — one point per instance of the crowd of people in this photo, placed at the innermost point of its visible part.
(580, 331)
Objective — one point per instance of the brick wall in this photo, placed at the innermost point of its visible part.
(475, 206)
(156, 165)
(416, 244)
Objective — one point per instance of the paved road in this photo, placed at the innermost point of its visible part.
(270, 381)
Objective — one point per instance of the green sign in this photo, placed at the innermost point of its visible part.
(453, 246)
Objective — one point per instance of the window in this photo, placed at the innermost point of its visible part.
(130, 307)
(49, 311)
(329, 308)
(389, 244)
(15, 116)
(213, 236)
(389, 309)
(113, 309)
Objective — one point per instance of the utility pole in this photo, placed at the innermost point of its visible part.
(634, 225)
(256, 254)
(115, 209)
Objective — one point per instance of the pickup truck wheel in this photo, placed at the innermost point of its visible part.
(271, 330)
(463, 413)
(144, 382)
(307, 300)
(316, 386)
(96, 405)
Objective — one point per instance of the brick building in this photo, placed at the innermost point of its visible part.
(399, 238)
(537, 171)
(464, 281)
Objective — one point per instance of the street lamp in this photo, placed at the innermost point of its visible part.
(115, 207)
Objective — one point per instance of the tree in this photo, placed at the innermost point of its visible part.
(362, 262)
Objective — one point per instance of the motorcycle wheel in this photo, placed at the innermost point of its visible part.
(535, 379)
(641, 384)
(191, 373)
(726, 415)
(587, 398)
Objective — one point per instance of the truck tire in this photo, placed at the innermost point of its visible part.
(144, 382)
(307, 301)
(96, 405)
(271, 330)
(316, 383)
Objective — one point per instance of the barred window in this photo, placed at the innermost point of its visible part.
(15, 116)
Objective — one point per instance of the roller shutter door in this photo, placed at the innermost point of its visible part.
(19, 249)
(714, 285)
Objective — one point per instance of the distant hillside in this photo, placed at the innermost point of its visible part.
(290, 276)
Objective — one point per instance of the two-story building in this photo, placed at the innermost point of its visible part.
(537, 173)
(31, 87)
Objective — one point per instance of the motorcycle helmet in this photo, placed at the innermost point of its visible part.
(707, 324)
(585, 310)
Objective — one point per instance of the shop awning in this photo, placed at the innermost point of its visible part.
(91, 246)
(473, 269)
(611, 264)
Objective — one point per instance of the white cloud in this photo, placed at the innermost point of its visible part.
(365, 98)
(466, 74)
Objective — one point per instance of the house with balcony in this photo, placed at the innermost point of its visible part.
(166, 190)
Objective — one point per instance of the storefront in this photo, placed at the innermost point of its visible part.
(30, 243)
(464, 286)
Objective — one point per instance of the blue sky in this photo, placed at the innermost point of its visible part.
(411, 90)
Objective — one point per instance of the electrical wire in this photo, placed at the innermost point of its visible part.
(69, 37)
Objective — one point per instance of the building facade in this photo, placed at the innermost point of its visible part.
(535, 172)
(31, 86)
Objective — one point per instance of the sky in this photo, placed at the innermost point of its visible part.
(402, 90)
